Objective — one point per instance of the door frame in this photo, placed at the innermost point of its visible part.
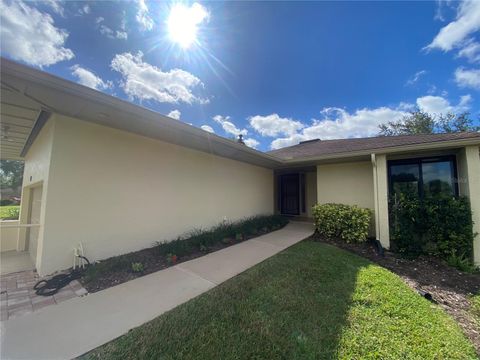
(282, 205)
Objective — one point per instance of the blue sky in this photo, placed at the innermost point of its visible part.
(277, 72)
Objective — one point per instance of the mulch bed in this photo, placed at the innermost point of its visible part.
(152, 262)
(448, 286)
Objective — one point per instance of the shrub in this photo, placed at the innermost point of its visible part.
(10, 212)
(350, 223)
(440, 226)
(5, 202)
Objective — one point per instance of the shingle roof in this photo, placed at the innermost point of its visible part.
(329, 147)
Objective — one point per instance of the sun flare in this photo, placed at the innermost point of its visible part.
(183, 23)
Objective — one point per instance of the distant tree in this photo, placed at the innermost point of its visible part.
(11, 174)
(420, 122)
(456, 123)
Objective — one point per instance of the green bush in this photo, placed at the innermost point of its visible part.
(9, 212)
(347, 222)
(440, 226)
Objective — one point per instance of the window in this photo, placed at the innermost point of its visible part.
(423, 177)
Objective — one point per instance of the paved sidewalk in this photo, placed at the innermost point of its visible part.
(79, 325)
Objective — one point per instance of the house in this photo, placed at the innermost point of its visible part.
(116, 177)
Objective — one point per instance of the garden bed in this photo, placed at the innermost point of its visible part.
(119, 269)
(452, 289)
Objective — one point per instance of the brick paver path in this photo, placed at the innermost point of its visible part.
(18, 297)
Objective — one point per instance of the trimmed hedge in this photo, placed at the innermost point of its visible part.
(347, 222)
(438, 226)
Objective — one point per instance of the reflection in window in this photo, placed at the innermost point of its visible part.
(423, 177)
(404, 179)
(438, 178)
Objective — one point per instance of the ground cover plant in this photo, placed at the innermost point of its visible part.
(311, 301)
(118, 269)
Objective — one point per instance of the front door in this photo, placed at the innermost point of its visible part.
(290, 194)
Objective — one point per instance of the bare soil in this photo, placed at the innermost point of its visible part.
(449, 287)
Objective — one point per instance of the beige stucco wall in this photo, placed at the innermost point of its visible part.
(8, 235)
(117, 192)
(346, 183)
(36, 173)
(468, 161)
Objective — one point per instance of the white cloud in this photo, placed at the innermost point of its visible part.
(339, 123)
(88, 78)
(436, 105)
(30, 35)
(174, 114)
(105, 30)
(144, 81)
(469, 78)
(470, 51)
(55, 5)
(251, 143)
(85, 9)
(228, 126)
(207, 128)
(143, 17)
(274, 125)
(455, 33)
(121, 35)
(414, 79)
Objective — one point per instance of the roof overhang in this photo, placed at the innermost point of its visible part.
(397, 150)
(35, 90)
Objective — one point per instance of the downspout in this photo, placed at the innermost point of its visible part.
(377, 206)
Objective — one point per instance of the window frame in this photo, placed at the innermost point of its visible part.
(424, 160)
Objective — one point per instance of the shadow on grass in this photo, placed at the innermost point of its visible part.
(311, 301)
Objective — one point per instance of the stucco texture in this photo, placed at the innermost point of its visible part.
(118, 192)
(346, 183)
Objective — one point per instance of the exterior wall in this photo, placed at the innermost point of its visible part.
(36, 173)
(468, 161)
(118, 192)
(8, 236)
(311, 192)
(346, 183)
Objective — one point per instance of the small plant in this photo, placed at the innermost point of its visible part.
(203, 248)
(239, 236)
(137, 267)
(226, 241)
(461, 262)
(172, 259)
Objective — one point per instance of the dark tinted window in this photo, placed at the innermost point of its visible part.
(404, 179)
(438, 178)
(423, 177)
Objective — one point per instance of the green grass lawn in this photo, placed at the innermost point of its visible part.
(312, 301)
(8, 211)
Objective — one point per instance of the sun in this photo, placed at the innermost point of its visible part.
(183, 23)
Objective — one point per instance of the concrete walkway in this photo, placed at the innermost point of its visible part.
(77, 326)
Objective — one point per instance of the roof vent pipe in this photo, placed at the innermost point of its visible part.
(240, 139)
